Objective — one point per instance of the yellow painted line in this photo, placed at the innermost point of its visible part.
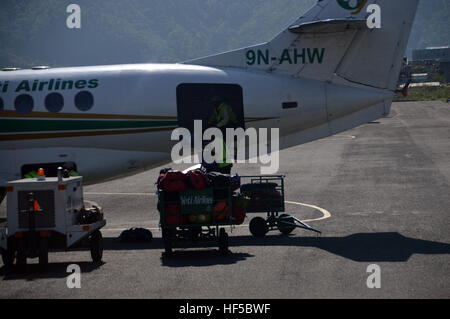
(14, 114)
(122, 194)
(326, 214)
(34, 136)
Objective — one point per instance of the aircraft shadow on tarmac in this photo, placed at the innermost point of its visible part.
(53, 270)
(361, 247)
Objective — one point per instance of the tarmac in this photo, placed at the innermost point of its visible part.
(380, 194)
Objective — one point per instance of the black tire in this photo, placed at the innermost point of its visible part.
(167, 239)
(282, 227)
(258, 227)
(43, 253)
(21, 261)
(8, 258)
(223, 242)
(96, 243)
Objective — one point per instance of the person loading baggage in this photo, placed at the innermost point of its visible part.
(220, 165)
(222, 117)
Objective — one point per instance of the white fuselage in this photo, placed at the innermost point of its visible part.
(134, 111)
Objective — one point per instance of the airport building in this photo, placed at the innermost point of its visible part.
(430, 60)
(432, 54)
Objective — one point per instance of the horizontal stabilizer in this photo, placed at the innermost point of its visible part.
(328, 26)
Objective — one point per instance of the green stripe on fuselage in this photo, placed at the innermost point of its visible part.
(22, 125)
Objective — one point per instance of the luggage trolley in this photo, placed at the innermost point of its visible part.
(48, 214)
(266, 195)
(189, 219)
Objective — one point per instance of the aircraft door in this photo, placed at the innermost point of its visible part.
(216, 105)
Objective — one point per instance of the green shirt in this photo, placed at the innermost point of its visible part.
(223, 115)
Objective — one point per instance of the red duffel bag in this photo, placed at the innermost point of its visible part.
(197, 179)
(173, 181)
(172, 215)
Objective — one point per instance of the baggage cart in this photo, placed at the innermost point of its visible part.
(196, 223)
(266, 195)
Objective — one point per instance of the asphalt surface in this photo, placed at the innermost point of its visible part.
(384, 184)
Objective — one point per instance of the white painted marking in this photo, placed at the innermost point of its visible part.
(339, 137)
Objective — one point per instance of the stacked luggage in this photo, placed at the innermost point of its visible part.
(263, 197)
(194, 206)
(199, 199)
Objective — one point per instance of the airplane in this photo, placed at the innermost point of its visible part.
(327, 72)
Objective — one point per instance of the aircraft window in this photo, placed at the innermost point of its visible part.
(290, 105)
(1, 104)
(24, 103)
(54, 102)
(84, 100)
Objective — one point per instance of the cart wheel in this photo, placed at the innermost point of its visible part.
(21, 261)
(284, 228)
(96, 242)
(8, 258)
(223, 242)
(258, 227)
(166, 234)
(43, 253)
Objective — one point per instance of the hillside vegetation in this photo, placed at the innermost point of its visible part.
(135, 31)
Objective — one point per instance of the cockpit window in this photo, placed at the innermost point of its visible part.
(24, 103)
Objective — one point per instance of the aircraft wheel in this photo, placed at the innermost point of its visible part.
(284, 228)
(258, 227)
(96, 242)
